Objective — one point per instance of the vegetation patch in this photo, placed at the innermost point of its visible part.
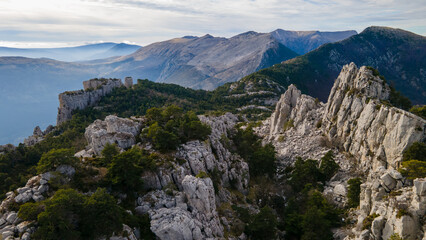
(366, 224)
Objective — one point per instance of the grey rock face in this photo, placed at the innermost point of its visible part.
(117, 130)
(373, 132)
(128, 82)
(69, 101)
(356, 120)
(171, 218)
(37, 136)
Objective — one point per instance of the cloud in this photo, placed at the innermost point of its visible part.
(144, 22)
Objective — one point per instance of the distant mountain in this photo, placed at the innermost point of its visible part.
(72, 54)
(398, 55)
(202, 62)
(303, 42)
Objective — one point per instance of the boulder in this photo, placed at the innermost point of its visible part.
(420, 186)
(388, 181)
(11, 217)
(377, 227)
(340, 189)
(121, 131)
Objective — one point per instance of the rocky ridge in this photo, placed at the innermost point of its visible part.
(93, 91)
(180, 205)
(368, 136)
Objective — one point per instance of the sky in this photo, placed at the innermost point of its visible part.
(58, 23)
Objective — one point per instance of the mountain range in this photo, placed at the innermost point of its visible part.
(399, 55)
(73, 54)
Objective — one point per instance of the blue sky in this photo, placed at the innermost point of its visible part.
(53, 23)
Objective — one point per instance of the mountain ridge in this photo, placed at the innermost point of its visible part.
(398, 54)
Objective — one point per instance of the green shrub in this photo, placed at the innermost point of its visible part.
(29, 211)
(170, 127)
(354, 191)
(289, 124)
(54, 158)
(124, 171)
(328, 166)
(401, 212)
(366, 224)
(395, 236)
(100, 210)
(72, 215)
(59, 219)
(261, 159)
(417, 151)
(413, 169)
(202, 174)
(419, 111)
(263, 225)
(109, 151)
(304, 172)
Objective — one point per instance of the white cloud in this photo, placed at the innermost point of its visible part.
(144, 22)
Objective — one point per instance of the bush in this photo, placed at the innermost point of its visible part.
(319, 218)
(328, 166)
(413, 169)
(29, 211)
(170, 127)
(202, 174)
(395, 236)
(263, 225)
(60, 219)
(100, 210)
(289, 124)
(366, 224)
(54, 158)
(419, 111)
(124, 171)
(304, 172)
(417, 151)
(109, 151)
(261, 159)
(354, 191)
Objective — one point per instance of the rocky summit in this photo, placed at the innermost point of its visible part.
(350, 168)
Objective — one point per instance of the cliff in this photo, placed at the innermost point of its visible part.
(368, 137)
(93, 91)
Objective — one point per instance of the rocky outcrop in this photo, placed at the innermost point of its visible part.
(11, 226)
(399, 212)
(93, 91)
(190, 214)
(38, 135)
(358, 118)
(121, 131)
(210, 156)
(128, 82)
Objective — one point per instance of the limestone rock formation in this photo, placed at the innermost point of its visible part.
(93, 91)
(368, 128)
(113, 129)
(173, 218)
(128, 82)
(358, 120)
(37, 136)
(11, 226)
